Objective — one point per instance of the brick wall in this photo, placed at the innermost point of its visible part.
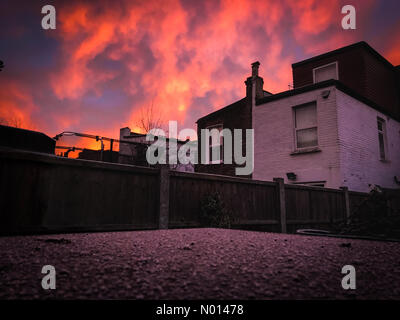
(274, 140)
(347, 138)
(350, 66)
(361, 71)
(236, 117)
(380, 85)
(359, 145)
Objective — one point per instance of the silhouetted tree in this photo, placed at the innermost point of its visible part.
(11, 121)
(1, 65)
(150, 118)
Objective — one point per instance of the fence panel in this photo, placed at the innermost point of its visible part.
(393, 196)
(250, 202)
(43, 192)
(356, 199)
(311, 207)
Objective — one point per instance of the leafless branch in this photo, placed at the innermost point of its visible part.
(150, 118)
(11, 121)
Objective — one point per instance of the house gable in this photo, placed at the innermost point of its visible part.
(360, 68)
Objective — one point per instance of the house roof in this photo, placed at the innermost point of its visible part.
(26, 139)
(339, 85)
(239, 103)
(319, 85)
(361, 44)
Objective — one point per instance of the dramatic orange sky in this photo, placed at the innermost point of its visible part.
(108, 59)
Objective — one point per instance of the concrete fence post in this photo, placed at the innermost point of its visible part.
(282, 202)
(346, 202)
(164, 197)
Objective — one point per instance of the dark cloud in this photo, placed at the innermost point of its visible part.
(109, 59)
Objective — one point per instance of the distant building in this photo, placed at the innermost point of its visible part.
(338, 127)
(134, 151)
(237, 115)
(99, 155)
(26, 140)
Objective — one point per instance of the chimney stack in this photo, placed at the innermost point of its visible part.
(254, 69)
(123, 132)
(254, 81)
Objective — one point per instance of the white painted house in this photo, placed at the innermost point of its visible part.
(338, 127)
(330, 132)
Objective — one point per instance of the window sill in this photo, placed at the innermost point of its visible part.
(305, 150)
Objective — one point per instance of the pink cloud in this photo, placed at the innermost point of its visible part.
(179, 53)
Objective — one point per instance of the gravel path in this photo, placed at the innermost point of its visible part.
(197, 264)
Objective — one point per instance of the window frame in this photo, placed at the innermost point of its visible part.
(210, 146)
(327, 65)
(382, 132)
(295, 129)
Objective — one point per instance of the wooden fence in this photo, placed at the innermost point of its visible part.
(252, 203)
(309, 207)
(44, 193)
(257, 204)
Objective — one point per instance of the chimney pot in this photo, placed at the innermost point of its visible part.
(255, 82)
(254, 69)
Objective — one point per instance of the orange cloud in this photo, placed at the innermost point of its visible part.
(314, 16)
(16, 106)
(187, 57)
(392, 52)
(172, 85)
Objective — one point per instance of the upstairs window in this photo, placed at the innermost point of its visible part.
(305, 119)
(326, 72)
(215, 143)
(382, 138)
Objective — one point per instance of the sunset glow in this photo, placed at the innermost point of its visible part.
(108, 59)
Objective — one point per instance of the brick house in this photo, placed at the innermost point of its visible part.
(237, 115)
(338, 127)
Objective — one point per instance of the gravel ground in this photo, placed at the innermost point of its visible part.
(197, 264)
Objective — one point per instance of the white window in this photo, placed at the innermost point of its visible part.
(215, 143)
(382, 138)
(305, 120)
(326, 72)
